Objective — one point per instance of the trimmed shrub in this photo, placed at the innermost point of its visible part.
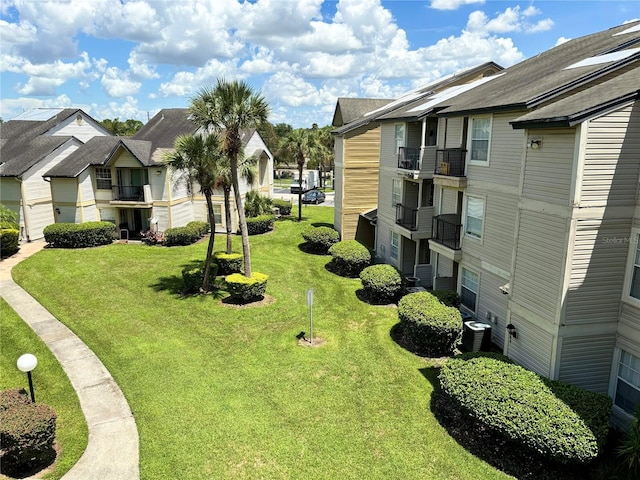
(79, 235)
(200, 228)
(228, 263)
(9, 241)
(193, 276)
(27, 433)
(283, 205)
(559, 421)
(13, 398)
(246, 289)
(450, 298)
(433, 328)
(256, 204)
(382, 283)
(180, 236)
(260, 224)
(320, 239)
(350, 257)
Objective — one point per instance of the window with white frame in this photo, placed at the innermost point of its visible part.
(469, 289)
(627, 395)
(103, 178)
(217, 214)
(634, 290)
(400, 130)
(474, 217)
(396, 191)
(480, 137)
(394, 251)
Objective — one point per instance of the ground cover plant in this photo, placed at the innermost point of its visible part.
(226, 391)
(50, 384)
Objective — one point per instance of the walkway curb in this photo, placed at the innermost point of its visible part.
(113, 447)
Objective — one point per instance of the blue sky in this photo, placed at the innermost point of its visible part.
(129, 59)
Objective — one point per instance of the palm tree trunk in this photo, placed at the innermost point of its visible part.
(212, 237)
(241, 218)
(300, 165)
(227, 216)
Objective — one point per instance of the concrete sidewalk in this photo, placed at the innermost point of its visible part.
(112, 450)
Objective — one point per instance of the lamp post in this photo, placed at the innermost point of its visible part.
(26, 363)
(310, 305)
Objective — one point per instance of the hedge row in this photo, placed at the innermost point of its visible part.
(349, 258)
(559, 421)
(228, 263)
(79, 235)
(260, 224)
(27, 431)
(9, 241)
(432, 327)
(246, 289)
(381, 283)
(320, 239)
(283, 206)
(190, 233)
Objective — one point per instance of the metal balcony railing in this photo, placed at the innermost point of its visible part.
(409, 158)
(407, 217)
(131, 193)
(451, 162)
(446, 230)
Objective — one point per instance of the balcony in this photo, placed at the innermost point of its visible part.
(445, 236)
(409, 158)
(406, 217)
(131, 194)
(450, 167)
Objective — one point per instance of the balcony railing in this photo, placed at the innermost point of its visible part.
(409, 158)
(407, 217)
(446, 230)
(451, 162)
(130, 193)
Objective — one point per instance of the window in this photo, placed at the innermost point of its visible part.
(431, 132)
(399, 133)
(628, 382)
(217, 214)
(394, 252)
(480, 135)
(474, 217)
(469, 289)
(396, 192)
(634, 291)
(103, 178)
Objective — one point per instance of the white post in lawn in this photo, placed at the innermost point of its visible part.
(310, 305)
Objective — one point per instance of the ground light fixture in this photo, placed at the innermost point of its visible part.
(26, 363)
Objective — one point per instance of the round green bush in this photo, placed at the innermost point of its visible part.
(200, 228)
(181, 236)
(246, 289)
(382, 283)
(27, 434)
(260, 224)
(228, 263)
(433, 328)
(349, 258)
(450, 298)
(320, 239)
(13, 397)
(283, 205)
(193, 277)
(79, 235)
(559, 421)
(9, 241)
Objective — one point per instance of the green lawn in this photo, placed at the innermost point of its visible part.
(51, 385)
(226, 392)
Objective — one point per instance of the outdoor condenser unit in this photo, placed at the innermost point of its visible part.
(476, 336)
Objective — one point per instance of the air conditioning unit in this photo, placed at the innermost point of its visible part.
(476, 336)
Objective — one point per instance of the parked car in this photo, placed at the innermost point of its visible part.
(313, 196)
(295, 186)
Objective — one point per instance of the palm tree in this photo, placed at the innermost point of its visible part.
(227, 109)
(299, 145)
(224, 182)
(197, 158)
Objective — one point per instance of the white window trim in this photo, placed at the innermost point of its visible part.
(633, 245)
(396, 181)
(105, 169)
(391, 236)
(483, 198)
(395, 138)
(613, 381)
(470, 138)
(462, 267)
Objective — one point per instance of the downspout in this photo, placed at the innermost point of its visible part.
(25, 212)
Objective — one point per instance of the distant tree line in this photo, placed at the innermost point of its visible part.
(122, 129)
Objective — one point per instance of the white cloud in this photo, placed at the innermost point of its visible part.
(12, 107)
(118, 84)
(452, 4)
(124, 110)
(187, 83)
(561, 40)
(511, 20)
(140, 69)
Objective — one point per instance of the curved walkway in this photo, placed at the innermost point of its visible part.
(112, 450)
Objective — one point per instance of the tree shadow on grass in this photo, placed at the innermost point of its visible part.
(364, 297)
(306, 247)
(174, 284)
(46, 459)
(322, 224)
(491, 446)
